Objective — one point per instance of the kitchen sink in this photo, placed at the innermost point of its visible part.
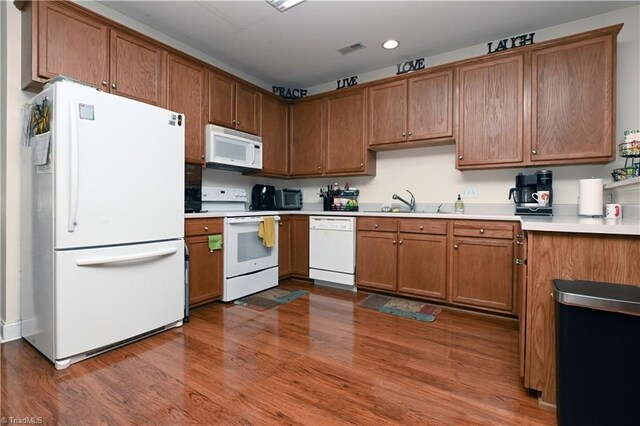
(405, 212)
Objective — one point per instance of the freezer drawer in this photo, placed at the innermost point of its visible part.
(106, 295)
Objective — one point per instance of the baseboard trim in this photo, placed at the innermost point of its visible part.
(10, 331)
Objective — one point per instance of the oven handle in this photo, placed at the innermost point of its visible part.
(248, 220)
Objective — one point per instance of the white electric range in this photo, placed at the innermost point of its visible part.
(249, 265)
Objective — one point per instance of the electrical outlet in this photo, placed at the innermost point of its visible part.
(469, 192)
(609, 198)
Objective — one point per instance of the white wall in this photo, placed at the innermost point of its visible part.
(430, 172)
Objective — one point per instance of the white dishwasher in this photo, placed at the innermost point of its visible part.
(332, 250)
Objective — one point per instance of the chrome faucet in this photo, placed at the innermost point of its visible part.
(411, 204)
(439, 207)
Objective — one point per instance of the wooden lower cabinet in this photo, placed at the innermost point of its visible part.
(205, 266)
(483, 272)
(411, 260)
(592, 257)
(293, 246)
(376, 260)
(284, 247)
(422, 265)
(300, 246)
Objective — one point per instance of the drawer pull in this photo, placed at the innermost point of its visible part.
(521, 261)
(375, 225)
(519, 235)
(481, 231)
(206, 228)
(421, 227)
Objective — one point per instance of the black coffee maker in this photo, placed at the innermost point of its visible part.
(263, 197)
(530, 187)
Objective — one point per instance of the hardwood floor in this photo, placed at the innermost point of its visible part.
(320, 359)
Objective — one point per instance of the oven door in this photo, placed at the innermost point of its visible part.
(244, 251)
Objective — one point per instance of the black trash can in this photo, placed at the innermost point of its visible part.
(597, 353)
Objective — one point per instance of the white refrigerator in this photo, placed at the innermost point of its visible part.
(103, 221)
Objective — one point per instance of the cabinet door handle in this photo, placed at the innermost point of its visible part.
(206, 228)
(238, 123)
(394, 242)
(421, 227)
(319, 167)
(521, 261)
(455, 247)
(534, 152)
(519, 243)
(202, 156)
(105, 83)
(404, 134)
(113, 86)
(460, 157)
(280, 223)
(233, 121)
(400, 242)
(519, 235)
(410, 133)
(361, 164)
(481, 231)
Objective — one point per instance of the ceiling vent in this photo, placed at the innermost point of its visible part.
(351, 48)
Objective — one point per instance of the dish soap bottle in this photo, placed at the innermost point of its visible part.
(459, 205)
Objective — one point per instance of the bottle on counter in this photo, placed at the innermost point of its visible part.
(459, 205)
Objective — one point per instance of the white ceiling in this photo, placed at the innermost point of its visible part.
(298, 48)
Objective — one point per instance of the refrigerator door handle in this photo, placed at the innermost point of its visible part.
(93, 261)
(74, 166)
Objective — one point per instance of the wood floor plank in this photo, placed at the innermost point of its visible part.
(320, 359)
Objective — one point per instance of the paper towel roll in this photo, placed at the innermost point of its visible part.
(591, 197)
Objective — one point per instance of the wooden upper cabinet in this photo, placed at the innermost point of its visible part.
(275, 148)
(573, 103)
(410, 110)
(491, 113)
(388, 113)
(248, 106)
(221, 100)
(69, 43)
(430, 107)
(187, 94)
(233, 104)
(136, 69)
(346, 148)
(306, 133)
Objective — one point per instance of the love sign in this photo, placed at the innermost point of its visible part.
(415, 65)
(347, 82)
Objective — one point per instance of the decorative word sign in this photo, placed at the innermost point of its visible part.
(347, 82)
(289, 93)
(512, 43)
(415, 65)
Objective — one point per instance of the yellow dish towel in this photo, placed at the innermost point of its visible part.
(267, 231)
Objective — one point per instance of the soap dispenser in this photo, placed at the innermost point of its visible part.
(459, 205)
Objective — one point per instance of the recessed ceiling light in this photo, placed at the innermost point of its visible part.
(390, 44)
(283, 5)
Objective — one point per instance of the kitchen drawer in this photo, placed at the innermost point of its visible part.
(203, 226)
(377, 224)
(423, 226)
(470, 228)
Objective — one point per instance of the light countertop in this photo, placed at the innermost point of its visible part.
(557, 223)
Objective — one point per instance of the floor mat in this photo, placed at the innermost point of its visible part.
(268, 299)
(405, 308)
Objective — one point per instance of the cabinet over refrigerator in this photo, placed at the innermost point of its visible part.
(99, 267)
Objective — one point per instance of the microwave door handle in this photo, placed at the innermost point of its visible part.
(253, 154)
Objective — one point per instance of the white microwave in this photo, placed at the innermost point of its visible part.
(232, 150)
